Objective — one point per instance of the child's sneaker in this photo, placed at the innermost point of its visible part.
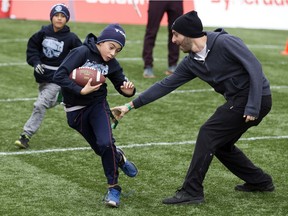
(23, 141)
(112, 197)
(127, 166)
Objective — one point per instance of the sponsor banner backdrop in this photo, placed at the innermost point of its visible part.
(98, 11)
(33, 10)
(258, 14)
(5, 6)
(262, 14)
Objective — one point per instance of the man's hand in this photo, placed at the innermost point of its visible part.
(39, 69)
(249, 118)
(119, 111)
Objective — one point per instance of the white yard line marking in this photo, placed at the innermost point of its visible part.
(116, 94)
(5, 64)
(25, 152)
(254, 46)
(8, 64)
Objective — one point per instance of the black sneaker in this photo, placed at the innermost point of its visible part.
(23, 141)
(255, 188)
(182, 197)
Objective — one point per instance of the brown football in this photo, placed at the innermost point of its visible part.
(81, 76)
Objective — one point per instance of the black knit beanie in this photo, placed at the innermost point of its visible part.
(189, 25)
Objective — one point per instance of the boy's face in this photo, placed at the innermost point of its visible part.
(109, 49)
(58, 21)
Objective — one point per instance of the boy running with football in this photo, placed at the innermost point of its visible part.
(87, 109)
(46, 49)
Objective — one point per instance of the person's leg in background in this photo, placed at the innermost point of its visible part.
(156, 10)
(175, 9)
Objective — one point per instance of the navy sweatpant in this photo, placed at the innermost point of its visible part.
(218, 137)
(93, 123)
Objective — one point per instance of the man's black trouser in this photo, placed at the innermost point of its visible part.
(218, 137)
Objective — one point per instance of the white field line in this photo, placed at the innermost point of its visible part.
(116, 94)
(9, 64)
(24, 152)
(112, 94)
(252, 46)
(256, 46)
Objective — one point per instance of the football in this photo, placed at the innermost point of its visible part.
(81, 76)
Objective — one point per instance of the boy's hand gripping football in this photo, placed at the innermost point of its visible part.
(88, 88)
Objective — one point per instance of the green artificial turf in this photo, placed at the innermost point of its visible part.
(60, 174)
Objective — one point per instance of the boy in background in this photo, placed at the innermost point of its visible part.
(46, 49)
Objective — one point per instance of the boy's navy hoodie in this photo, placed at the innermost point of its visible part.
(87, 55)
(50, 48)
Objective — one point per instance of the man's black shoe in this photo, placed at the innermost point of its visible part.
(255, 188)
(182, 197)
